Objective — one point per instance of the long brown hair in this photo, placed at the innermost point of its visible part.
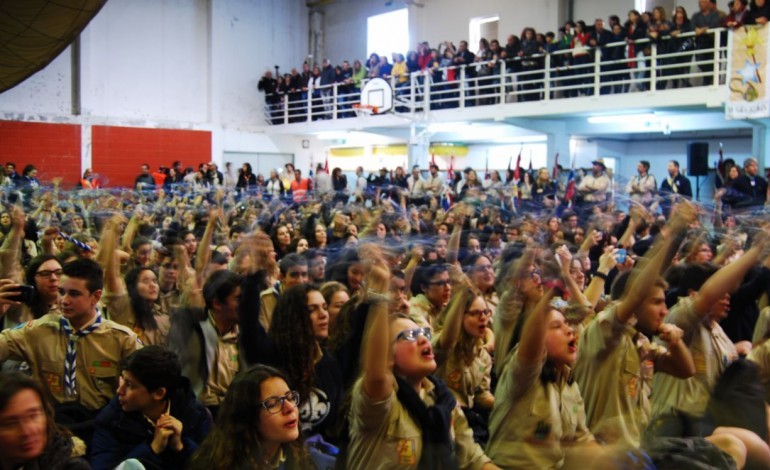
(234, 442)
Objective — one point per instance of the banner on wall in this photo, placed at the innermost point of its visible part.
(748, 72)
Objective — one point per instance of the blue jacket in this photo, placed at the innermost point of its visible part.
(120, 435)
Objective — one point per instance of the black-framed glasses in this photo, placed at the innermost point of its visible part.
(411, 335)
(274, 405)
(49, 273)
(481, 313)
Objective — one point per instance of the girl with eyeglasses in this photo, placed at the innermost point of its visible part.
(463, 360)
(401, 416)
(257, 426)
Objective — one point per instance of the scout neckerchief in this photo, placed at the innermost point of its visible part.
(70, 387)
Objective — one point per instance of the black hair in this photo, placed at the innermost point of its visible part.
(694, 276)
(423, 274)
(291, 260)
(154, 367)
(37, 305)
(88, 270)
(144, 311)
(219, 286)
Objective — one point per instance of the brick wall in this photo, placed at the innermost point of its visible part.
(53, 148)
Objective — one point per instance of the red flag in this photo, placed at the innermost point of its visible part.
(450, 171)
(517, 171)
(569, 192)
(326, 164)
(555, 172)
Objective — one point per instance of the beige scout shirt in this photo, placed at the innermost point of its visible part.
(119, 310)
(614, 370)
(531, 420)
(384, 436)
(423, 312)
(465, 380)
(268, 299)
(712, 351)
(761, 356)
(43, 345)
(594, 188)
(226, 366)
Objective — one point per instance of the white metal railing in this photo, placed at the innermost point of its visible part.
(673, 61)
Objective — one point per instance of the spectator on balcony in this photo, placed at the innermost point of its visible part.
(681, 25)
(314, 88)
(144, 181)
(423, 54)
(328, 78)
(359, 74)
(636, 30)
(600, 38)
(385, 67)
(437, 78)
(463, 59)
(269, 86)
(617, 53)
(581, 59)
(399, 71)
(304, 82)
(760, 11)
(658, 31)
(707, 18)
(531, 65)
(739, 14)
(447, 53)
(373, 65)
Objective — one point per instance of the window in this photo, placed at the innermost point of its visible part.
(484, 27)
(388, 33)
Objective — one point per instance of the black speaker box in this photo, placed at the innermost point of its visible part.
(697, 159)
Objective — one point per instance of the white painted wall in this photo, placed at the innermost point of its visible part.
(437, 21)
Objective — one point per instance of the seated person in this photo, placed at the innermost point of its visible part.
(154, 418)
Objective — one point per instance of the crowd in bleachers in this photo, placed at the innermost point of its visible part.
(552, 324)
(624, 48)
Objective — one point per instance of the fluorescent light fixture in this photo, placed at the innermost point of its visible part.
(623, 118)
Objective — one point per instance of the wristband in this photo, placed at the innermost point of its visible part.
(600, 275)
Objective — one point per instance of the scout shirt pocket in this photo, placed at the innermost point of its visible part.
(52, 375)
(104, 377)
(404, 442)
(540, 422)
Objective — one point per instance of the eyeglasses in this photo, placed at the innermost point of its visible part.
(411, 335)
(486, 267)
(274, 405)
(441, 283)
(49, 273)
(479, 313)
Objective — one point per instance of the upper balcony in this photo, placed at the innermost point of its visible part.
(669, 75)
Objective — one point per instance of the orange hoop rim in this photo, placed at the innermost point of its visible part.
(359, 106)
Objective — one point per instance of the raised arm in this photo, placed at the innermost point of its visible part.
(131, 230)
(532, 343)
(726, 279)
(10, 252)
(203, 255)
(375, 350)
(643, 278)
(453, 321)
(108, 257)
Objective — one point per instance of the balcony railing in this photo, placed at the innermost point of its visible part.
(612, 69)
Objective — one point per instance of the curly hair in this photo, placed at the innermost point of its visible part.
(144, 309)
(291, 330)
(464, 350)
(234, 442)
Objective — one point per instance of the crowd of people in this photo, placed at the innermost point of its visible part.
(624, 47)
(412, 322)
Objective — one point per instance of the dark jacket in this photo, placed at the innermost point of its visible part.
(57, 456)
(120, 435)
(754, 190)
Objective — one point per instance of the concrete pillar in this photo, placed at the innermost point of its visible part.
(419, 148)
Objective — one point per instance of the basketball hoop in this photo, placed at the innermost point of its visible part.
(365, 109)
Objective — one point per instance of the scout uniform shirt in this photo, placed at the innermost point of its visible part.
(423, 312)
(226, 365)
(531, 419)
(760, 355)
(384, 436)
(712, 351)
(465, 380)
(119, 310)
(614, 370)
(43, 344)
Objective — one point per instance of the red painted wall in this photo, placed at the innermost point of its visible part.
(119, 152)
(54, 149)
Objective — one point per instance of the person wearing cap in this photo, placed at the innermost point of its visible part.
(593, 188)
(750, 185)
(642, 187)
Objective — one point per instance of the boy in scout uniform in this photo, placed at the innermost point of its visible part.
(75, 353)
(615, 357)
(705, 300)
